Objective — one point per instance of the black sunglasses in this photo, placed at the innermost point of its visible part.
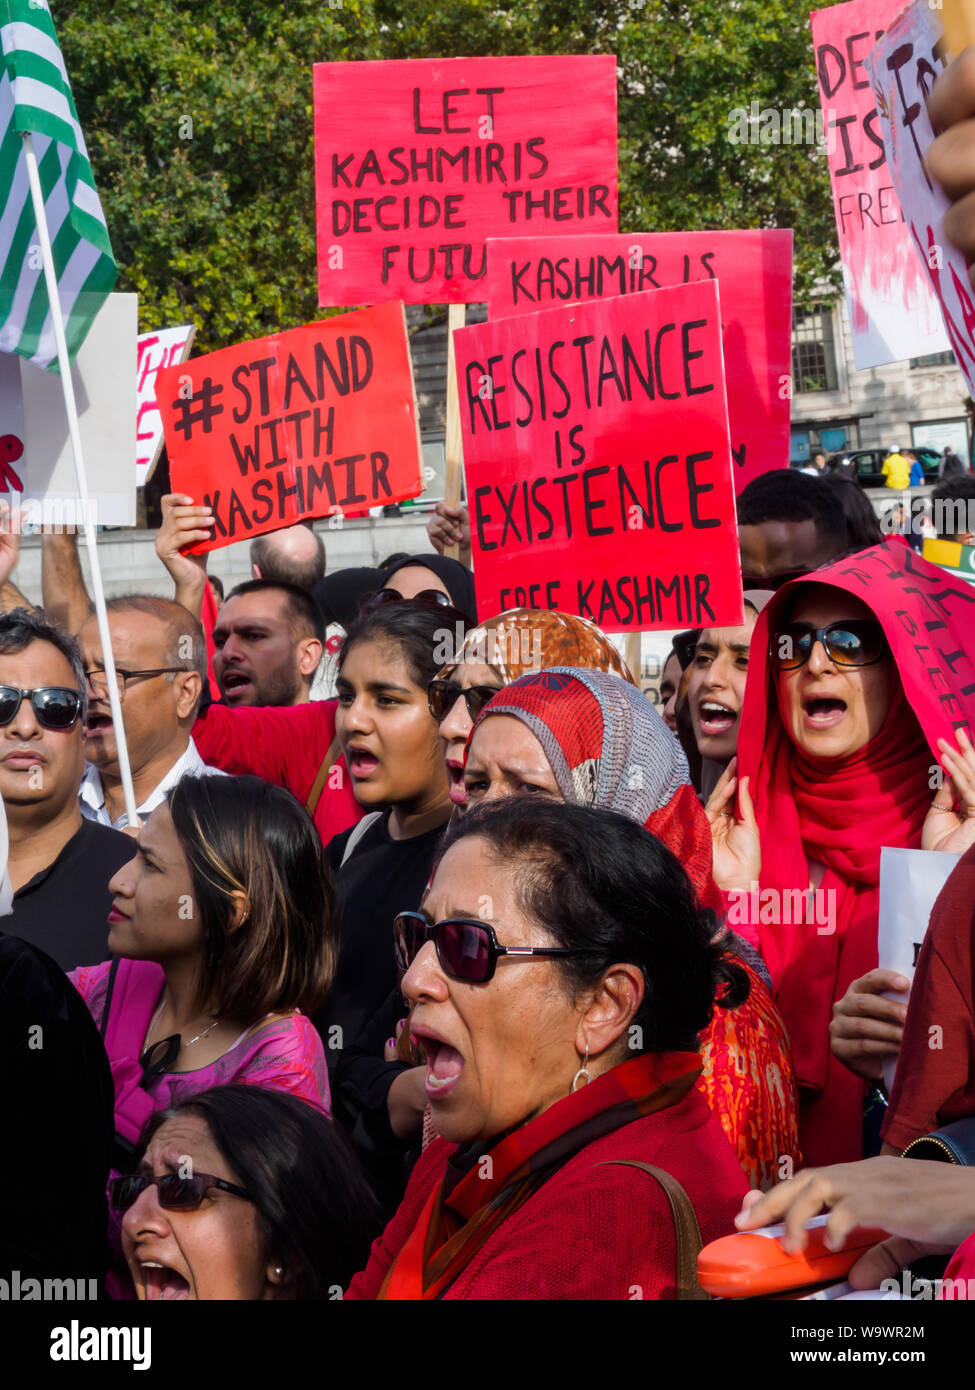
(54, 706)
(442, 695)
(175, 1193)
(847, 644)
(467, 949)
(426, 598)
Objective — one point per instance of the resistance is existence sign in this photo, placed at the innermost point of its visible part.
(598, 461)
(418, 162)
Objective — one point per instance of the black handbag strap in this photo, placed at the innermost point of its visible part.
(113, 971)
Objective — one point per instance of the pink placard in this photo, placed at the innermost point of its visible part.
(418, 162)
(754, 272)
(893, 314)
(903, 68)
(598, 462)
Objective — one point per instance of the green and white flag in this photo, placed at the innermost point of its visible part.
(35, 96)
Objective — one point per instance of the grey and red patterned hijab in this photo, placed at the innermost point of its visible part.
(608, 747)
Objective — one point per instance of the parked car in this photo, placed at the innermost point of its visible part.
(868, 463)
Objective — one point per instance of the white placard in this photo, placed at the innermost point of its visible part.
(902, 68)
(162, 348)
(104, 384)
(910, 881)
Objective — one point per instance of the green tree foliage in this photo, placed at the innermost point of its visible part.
(198, 119)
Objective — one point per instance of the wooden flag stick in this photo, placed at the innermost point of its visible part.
(634, 648)
(453, 443)
(958, 18)
(74, 433)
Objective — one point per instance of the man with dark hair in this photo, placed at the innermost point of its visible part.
(269, 640)
(294, 555)
(161, 666)
(788, 524)
(953, 510)
(60, 864)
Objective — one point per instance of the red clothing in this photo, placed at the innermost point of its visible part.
(588, 1232)
(749, 1083)
(961, 1266)
(935, 1079)
(284, 744)
(839, 812)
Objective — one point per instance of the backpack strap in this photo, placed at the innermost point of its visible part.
(358, 830)
(112, 973)
(135, 991)
(318, 786)
(686, 1228)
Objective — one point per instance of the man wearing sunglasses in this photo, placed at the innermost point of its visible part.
(60, 864)
(788, 525)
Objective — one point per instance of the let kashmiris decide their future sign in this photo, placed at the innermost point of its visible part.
(418, 162)
(893, 313)
(598, 461)
(754, 274)
(903, 68)
(317, 421)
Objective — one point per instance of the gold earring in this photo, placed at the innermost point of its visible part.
(583, 1072)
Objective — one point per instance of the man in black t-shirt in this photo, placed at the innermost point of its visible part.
(60, 864)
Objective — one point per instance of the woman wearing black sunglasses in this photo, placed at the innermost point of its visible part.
(429, 575)
(559, 976)
(857, 676)
(243, 1193)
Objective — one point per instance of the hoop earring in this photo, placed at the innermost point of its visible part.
(584, 1072)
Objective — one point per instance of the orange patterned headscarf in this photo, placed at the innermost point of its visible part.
(524, 640)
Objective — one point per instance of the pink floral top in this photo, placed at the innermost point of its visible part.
(284, 1055)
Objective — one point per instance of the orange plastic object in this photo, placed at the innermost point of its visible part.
(753, 1264)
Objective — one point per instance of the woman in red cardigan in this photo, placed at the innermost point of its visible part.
(558, 977)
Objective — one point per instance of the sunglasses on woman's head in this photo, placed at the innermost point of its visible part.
(54, 706)
(426, 598)
(175, 1193)
(467, 949)
(442, 695)
(853, 643)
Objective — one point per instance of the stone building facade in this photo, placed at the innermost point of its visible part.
(920, 401)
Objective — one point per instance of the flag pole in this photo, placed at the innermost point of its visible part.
(67, 386)
(453, 441)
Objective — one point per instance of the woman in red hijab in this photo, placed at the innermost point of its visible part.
(856, 672)
(590, 739)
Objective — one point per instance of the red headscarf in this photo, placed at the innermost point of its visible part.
(840, 812)
(608, 747)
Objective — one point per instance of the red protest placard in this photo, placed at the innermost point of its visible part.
(317, 421)
(893, 313)
(418, 162)
(598, 461)
(754, 272)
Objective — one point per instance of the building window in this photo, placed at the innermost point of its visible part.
(813, 355)
(934, 359)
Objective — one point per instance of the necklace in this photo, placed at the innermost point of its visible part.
(155, 1020)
